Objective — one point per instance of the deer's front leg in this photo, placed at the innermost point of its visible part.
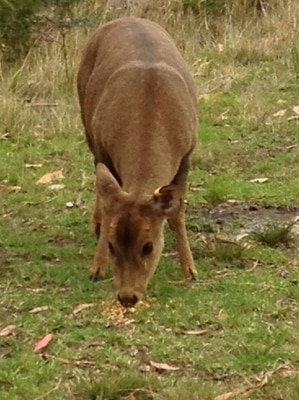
(101, 258)
(99, 225)
(178, 225)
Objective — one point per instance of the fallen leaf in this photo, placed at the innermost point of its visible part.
(80, 308)
(33, 165)
(37, 310)
(50, 177)
(36, 290)
(222, 116)
(169, 254)
(220, 47)
(211, 96)
(280, 113)
(296, 219)
(196, 189)
(281, 101)
(57, 186)
(241, 236)
(227, 396)
(233, 202)
(292, 146)
(144, 368)
(163, 366)
(9, 189)
(69, 204)
(8, 330)
(5, 136)
(259, 180)
(195, 332)
(84, 363)
(296, 110)
(43, 343)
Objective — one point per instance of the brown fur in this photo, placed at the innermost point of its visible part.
(138, 107)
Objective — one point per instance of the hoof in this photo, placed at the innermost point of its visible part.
(194, 279)
(95, 278)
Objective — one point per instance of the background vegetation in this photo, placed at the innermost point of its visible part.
(235, 334)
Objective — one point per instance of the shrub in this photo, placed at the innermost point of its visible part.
(19, 19)
(16, 21)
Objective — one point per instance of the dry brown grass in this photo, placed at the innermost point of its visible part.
(238, 38)
(219, 50)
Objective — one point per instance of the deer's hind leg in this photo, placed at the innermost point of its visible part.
(96, 218)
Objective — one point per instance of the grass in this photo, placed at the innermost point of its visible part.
(275, 235)
(243, 312)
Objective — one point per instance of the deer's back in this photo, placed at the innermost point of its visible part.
(138, 100)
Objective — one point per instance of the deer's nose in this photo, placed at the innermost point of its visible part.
(127, 301)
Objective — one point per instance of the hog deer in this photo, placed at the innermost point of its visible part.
(139, 110)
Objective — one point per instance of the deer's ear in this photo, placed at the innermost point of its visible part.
(107, 186)
(166, 199)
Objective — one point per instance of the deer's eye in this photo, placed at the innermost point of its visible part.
(147, 249)
(111, 248)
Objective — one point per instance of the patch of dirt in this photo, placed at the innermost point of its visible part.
(249, 216)
(244, 211)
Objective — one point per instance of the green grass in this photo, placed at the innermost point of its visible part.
(275, 235)
(246, 301)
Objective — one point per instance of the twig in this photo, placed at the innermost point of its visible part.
(259, 382)
(50, 391)
(225, 241)
(254, 266)
(29, 104)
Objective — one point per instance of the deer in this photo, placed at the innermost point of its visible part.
(138, 105)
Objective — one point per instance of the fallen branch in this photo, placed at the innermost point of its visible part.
(283, 371)
(245, 390)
